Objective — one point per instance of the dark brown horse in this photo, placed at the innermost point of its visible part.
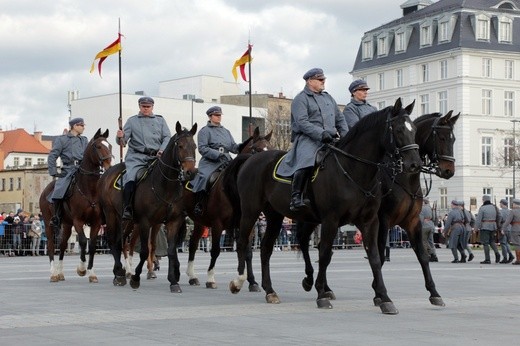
(80, 209)
(218, 215)
(345, 190)
(157, 200)
(402, 199)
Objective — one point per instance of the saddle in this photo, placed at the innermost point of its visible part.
(141, 176)
(320, 156)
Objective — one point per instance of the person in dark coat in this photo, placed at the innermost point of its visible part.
(315, 121)
(70, 148)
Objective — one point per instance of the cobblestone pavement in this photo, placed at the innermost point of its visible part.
(482, 305)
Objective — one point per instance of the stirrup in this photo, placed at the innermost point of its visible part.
(55, 221)
(127, 213)
(197, 210)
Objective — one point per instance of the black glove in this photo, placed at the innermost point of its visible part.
(60, 175)
(326, 137)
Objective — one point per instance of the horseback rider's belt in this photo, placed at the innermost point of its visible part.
(147, 151)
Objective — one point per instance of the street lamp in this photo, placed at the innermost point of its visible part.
(196, 101)
(514, 121)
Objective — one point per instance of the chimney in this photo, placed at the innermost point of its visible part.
(411, 6)
(38, 136)
(281, 95)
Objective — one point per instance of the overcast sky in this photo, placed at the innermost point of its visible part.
(48, 47)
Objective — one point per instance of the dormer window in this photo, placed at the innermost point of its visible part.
(402, 36)
(505, 29)
(383, 44)
(367, 49)
(446, 27)
(426, 29)
(481, 27)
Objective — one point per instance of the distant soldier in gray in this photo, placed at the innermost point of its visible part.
(315, 121)
(469, 225)
(454, 229)
(486, 223)
(428, 228)
(147, 135)
(513, 221)
(505, 234)
(70, 148)
(358, 106)
(215, 143)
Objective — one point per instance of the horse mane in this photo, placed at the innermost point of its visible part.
(375, 119)
(426, 117)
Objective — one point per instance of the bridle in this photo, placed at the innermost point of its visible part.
(100, 158)
(431, 163)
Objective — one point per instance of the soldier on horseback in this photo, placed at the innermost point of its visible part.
(147, 135)
(315, 120)
(69, 147)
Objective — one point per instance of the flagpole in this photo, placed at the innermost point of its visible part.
(120, 119)
(250, 95)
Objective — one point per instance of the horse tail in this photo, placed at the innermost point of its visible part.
(231, 188)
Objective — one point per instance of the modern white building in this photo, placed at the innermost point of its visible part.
(175, 103)
(460, 55)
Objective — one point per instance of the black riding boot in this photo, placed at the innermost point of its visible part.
(128, 193)
(298, 185)
(200, 199)
(56, 218)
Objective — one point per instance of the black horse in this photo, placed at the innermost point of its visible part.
(402, 200)
(346, 189)
(157, 200)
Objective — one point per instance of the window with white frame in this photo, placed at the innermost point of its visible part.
(486, 101)
(381, 81)
(509, 69)
(509, 103)
(381, 105)
(399, 42)
(19, 183)
(443, 31)
(425, 103)
(367, 50)
(505, 30)
(40, 161)
(28, 161)
(425, 73)
(509, 152)
(487, 191)
(486, 151)
(509, 196)
(443, 69)
(483, 28)
(443, 101)
(426, 35)
(399, 78)
(486, 67)
(443, 195)
(16, 161)
(382, 46)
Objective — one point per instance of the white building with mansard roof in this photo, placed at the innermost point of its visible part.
(460, 55)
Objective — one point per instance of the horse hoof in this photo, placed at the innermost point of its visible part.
(377, 301)
(307, 284)
(195, 282)
(272, 298)
(81, 272)
(55, 278)
(151, 275)
(93, 279)
(175, 288)
(61, 277)
(233, 288)
(323, 303)
(329, 295)
(134, 283)
(254, 288)
(119, 281)
(388, 308)
(437, 301)
(212, 285)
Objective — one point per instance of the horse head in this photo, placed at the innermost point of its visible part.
(256, 143)
(184, 152)
(435, 138)
(98, 155)
(402, 137)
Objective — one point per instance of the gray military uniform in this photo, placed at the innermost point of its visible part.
(215, 143)
(311, 114)
(428, 227)
(70, 149)
(355, 110)
(486, 222)
(455, 221)
(513, 221)
(145, 135)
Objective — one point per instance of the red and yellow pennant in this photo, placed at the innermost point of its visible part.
(241, 62)
(113, 48)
